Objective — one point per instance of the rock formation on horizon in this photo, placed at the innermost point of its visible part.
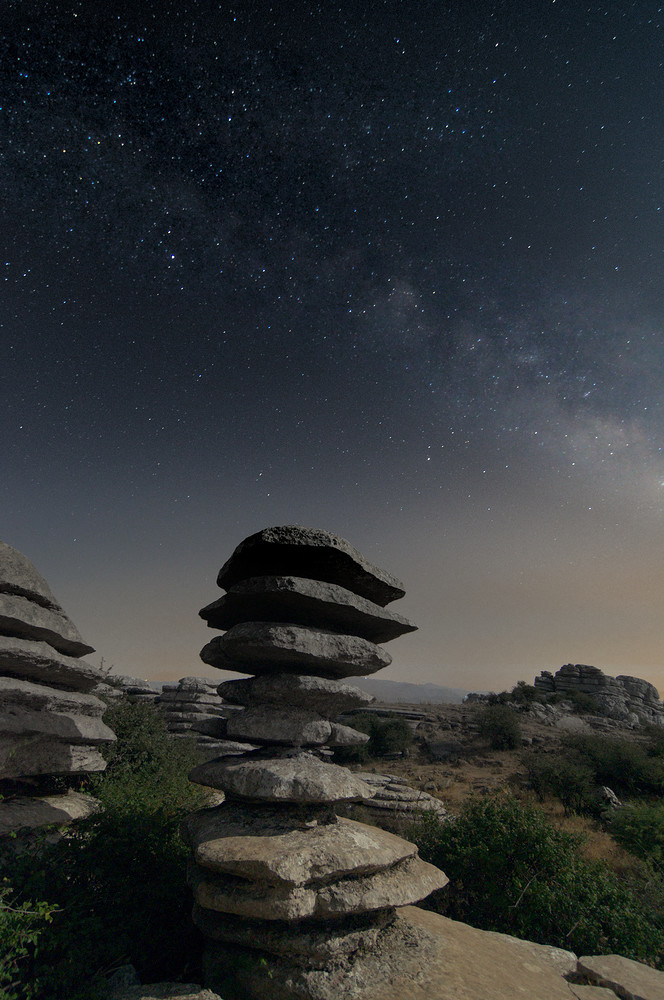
(626, 699)
(275, 873)
(50, 723)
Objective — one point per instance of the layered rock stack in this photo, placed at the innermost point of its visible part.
(626, 699)
(50, 724)
(193, 707)
(286, 891)
(134, 689)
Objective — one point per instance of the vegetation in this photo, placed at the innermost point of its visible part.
(113, 890)
(500, 726)
(511, 870)
(387, 736)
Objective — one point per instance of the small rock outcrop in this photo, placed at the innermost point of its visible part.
(50, 723)
(629, 700)
(277, 876)
(134, 689)
(193, 707)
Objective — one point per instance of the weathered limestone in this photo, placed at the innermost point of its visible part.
(50, 723)
(274, 870)
(629, 700)
(261, 647)
(291, 550)
(295, 601)
(392, 801)
(134, 689)
(628, 979)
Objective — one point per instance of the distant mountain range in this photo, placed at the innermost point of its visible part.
(392, 692)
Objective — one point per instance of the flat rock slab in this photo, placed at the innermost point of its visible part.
(583, 992)
(268, 724)
(262, 647)
(292, 858)
(406, 882)
(38, 661)
(164, 991)
(24, 618)
(421, 956)
(22, 757)
(310, 943)
(299, 778)
(311, 603)
(23, 813)
(628, 979)
(18, 696)
(67, 728)
(327, 697)
(312, 553)
(19, 576)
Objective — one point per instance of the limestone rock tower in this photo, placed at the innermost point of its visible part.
(287, 893)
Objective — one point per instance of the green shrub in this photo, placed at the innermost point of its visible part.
(500, 726)
(21, 926)
(387, 735)
(525, 694)
(571, 781)
(115, 885)
(639, 828)
(510, 870)
(622, 764)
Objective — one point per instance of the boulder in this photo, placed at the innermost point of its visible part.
(297, 601)
(297, 778)
(328, 697)
(292, 550)
(263, 724)
(23, 618)
(296, 857)
(45, 755)
(19, 576)
(405, 882)
(630, 980)
(261, 647)
(40, 662)
(26, 813)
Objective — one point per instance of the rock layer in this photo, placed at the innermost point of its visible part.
(274, 869)
(50, 724)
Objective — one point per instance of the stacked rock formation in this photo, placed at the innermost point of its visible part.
(134, 689)
(193, 707)
(630, 700)
(50, 724)
(275, 873)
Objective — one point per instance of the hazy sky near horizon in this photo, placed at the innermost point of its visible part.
(393, 270)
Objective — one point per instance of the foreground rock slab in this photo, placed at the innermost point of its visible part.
(421, 956)
(628, 979)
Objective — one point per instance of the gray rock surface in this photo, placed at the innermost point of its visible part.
(296, 601)
(328, 697)
(22, 617)
(292, 550)
(405, 882)
(262, 724)
(44, 755)
(164, 991)
(628, 979)
(299, 778)
(296, 857)
(17, 696)
(39, 662)
(626, 699)
(263, 647)
(19, 576)
(29, 813)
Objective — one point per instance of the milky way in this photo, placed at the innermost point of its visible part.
(394, 271)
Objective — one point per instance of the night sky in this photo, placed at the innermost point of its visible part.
(390, 269)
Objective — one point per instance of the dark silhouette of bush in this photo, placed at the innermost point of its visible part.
(639, 828)
(500, 726)
(510, 870)
(387, 735)
(569, 780)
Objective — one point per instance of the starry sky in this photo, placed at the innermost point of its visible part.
(390, 269)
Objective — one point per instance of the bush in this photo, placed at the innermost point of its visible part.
(21, 925)
(622, 764)
(115, 884)
(639, 828)
(525, 694)
(500, 726)
(510, 870)
(568, 780)
(387, 735)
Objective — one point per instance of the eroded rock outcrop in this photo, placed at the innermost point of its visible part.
(50, 722)
(275, 872)
(626, 699)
